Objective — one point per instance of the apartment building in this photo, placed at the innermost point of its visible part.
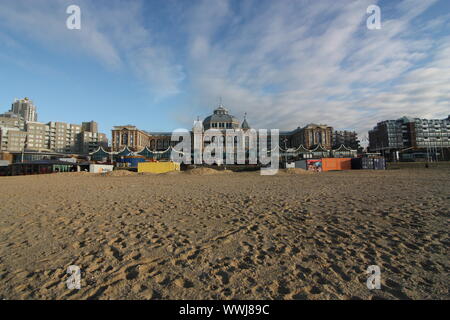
(346, 138)
(411, 138)
(53, 136)
(12, 139)
(90, 126)
(90, 141)
(25, 109)
(10, 120)
(19, 130)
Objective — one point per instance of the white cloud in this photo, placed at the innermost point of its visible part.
(114, 35)
(45, 22)
(286, 63)
(153, 66)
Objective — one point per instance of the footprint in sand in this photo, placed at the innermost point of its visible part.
(184, 283)
(223, 277)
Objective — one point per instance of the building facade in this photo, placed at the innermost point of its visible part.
(220, 119)
(310, 136)
(160, 140)
(129, 136)
(88, 141)
(313, 136)
(346, 138)
(90, 126)
(25, 109)
(6, 120)
(136, 139)
(52, 136)
(411, 138)
(18, 132)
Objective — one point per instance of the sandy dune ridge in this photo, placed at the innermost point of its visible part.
(226, 236)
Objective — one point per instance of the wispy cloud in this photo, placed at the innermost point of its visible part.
(113, 33)
(44, 22)
(285, 63)
(288, 63)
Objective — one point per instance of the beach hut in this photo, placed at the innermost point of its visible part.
(320, 152)
(344, 152)
(158, 167)
(336, 164)
(146, 153)
(130, 161)
(309, 164)
(100, 168)
(100, 155)
(368, 163)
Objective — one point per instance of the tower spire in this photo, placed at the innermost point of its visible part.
(245, 126)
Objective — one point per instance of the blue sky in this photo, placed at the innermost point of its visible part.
(160, 64)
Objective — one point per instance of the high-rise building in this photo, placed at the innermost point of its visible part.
(90, 141)
(6, 120)
(18, 132)
(347, 138)
(25, 109)
(52, 136)
(90, 126)
(410, 138)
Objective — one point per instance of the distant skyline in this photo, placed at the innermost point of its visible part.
(160, 64)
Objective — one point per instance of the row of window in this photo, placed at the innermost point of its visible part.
(227, 125)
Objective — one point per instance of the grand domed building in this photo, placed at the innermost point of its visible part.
(220, 119)
(316, 137)
(131, 137)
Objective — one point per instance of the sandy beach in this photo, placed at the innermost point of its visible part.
(226, 236)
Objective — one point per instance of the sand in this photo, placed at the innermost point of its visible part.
(295, 171)
(206, 171)
(119, 173)
(226, 236)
